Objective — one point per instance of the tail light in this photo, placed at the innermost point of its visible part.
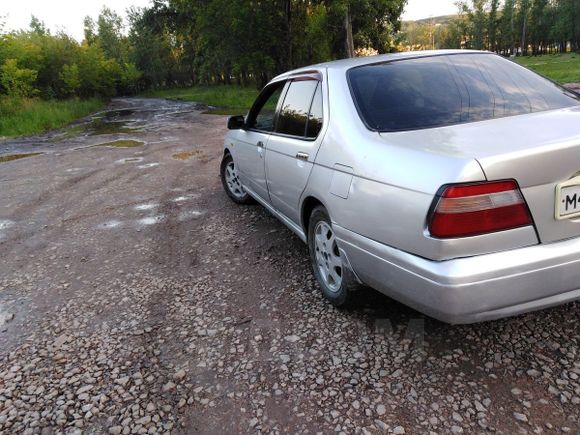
(473, 209)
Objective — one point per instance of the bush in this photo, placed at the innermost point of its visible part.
(18, 82)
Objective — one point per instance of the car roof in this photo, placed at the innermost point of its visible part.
(345, 64)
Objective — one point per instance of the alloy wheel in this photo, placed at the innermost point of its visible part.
(328, 256)
(233, 181)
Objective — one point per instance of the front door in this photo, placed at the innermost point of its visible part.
(293, 145)
(252, 140)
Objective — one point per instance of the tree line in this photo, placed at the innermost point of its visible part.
(509, 27)
(36, 63)
(188, 42)
(201, 41)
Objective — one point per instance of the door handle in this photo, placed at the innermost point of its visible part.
(260, 146)
(302, 156)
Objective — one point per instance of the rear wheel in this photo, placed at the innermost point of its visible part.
(336, 281)
(231, 181)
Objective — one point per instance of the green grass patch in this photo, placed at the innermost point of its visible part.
(184, 155)
(121, 144)
(71, 132)
(20, 117)
(229, 99)
(562, 68)
(11, 157)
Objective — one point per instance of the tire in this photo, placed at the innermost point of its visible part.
(231, 182)
(335, 279)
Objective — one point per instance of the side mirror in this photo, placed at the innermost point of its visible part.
(236, 122)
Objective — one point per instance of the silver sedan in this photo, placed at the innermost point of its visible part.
(447, 180)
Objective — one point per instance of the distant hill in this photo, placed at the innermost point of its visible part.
(443, 19)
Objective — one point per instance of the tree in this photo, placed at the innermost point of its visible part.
(184, 42)
(492, 28)
(110, 35)
(38, 26)
(70, 79)
(18, 82)
(507, 26)
(89, 30)
(524, 9)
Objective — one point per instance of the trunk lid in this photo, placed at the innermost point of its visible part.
(540, 151)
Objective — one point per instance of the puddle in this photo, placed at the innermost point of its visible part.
(189, 214)
(103, 126)
(147, 206)
(5, 317)
(148, 165)
(128, 143)
(184, 155)
(5, 224)
(11, 157)
(152, 220)
(130, 160)
(117, 113)
(184, 198)
(110, 225)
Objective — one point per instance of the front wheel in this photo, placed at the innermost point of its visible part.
(231, 181)
(336, 281)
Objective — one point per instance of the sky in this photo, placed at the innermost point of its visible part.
(417, 9)
(68, 15)
(64, 15)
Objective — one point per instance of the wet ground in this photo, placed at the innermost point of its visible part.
(136, 298)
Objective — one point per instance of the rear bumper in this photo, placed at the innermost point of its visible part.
(472, 289)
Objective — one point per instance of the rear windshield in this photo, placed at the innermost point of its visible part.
(444, 90)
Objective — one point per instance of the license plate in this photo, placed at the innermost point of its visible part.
(568, 199)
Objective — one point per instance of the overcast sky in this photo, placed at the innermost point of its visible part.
(68, 14)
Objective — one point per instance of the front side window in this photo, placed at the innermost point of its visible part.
(444, 90)
(263, 114)
(294, 112)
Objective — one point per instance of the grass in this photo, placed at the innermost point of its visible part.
(11, 157)
(562, 68)
(184, 155)
(20, 117)
(229, 99)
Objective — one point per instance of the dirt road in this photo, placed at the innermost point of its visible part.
(136, 298)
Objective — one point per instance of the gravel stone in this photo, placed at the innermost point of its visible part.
(144, 301)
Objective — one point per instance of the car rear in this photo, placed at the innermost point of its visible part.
(524, 133)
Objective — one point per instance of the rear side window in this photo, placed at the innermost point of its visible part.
(315, 117)
(444, 90)
(295, 115)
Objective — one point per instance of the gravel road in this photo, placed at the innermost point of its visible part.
(136, 298)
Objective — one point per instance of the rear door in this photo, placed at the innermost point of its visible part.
(293, 145)
(252, 141)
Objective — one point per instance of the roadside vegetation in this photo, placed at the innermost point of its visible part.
(229, 99)
(508, 27)
(22, 116)
(562, 68)
(179, 44)
(218, 52)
